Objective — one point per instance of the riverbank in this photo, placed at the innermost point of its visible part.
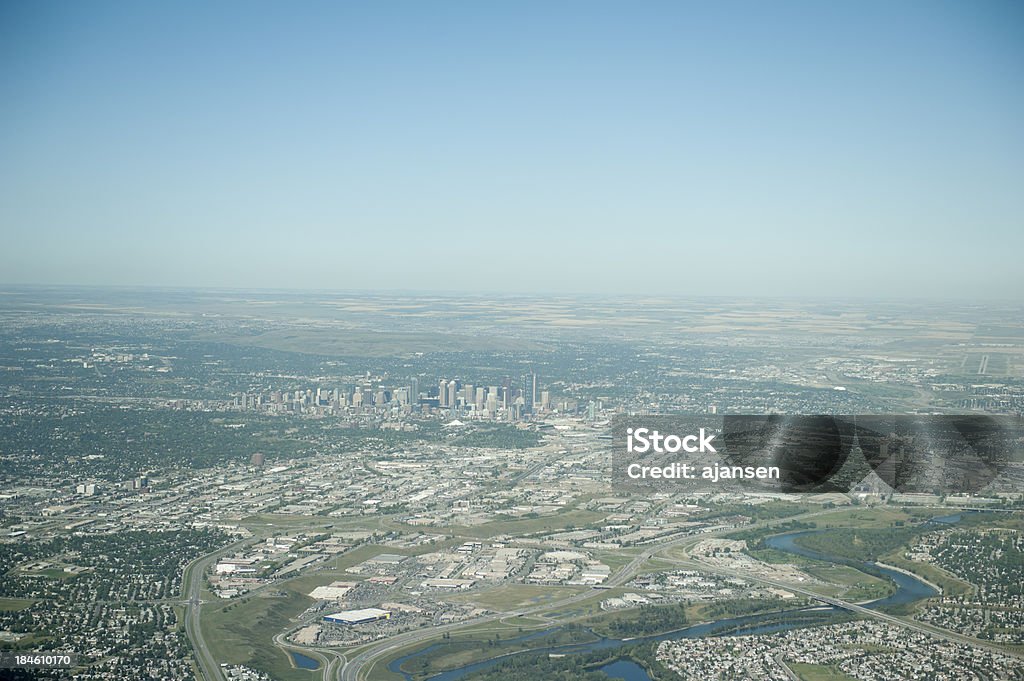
(909, 589)
(908, 573)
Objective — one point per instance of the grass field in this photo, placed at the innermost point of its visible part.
(617, 559)
(179, 616)
(15, 604)
(513, 596)
(855, 585)
(507, 629)
(951, 586)
(380, 672)
(242, 632)
(862, 518)
(464, 649)
(777, 557)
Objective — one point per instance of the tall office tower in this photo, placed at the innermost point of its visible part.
(257, 459)
(592, 412)
(380, 398)
(528, 390)
(357, 398)
(479, 402)
(467, 394)
(545, 400)
(442, 393)
(414, 391)
(453, 389)
(492, 402)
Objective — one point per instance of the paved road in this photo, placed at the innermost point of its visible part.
(781, 664)
(191, 585)
(365, 660)
(853, 607)
(328, 658)
(336, 665)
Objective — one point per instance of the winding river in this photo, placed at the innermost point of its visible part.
(908, 590)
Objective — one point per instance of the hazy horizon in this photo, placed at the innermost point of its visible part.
(796, 150)
(311, 294)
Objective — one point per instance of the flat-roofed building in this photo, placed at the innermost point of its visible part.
(362, 616)
(334, 591)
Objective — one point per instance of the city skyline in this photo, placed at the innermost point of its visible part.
(327, 487)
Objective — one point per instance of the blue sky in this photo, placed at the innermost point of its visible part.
(790, 148)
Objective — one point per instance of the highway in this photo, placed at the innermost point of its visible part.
(336, 665)
(365, 660)
(192, 584)
(854, 607)
(327, 657)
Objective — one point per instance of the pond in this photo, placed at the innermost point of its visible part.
(626, 670)
(304, 661)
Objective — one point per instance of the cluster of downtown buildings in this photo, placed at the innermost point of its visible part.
(510, 401)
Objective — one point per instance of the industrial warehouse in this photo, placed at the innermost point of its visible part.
(351, 617)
